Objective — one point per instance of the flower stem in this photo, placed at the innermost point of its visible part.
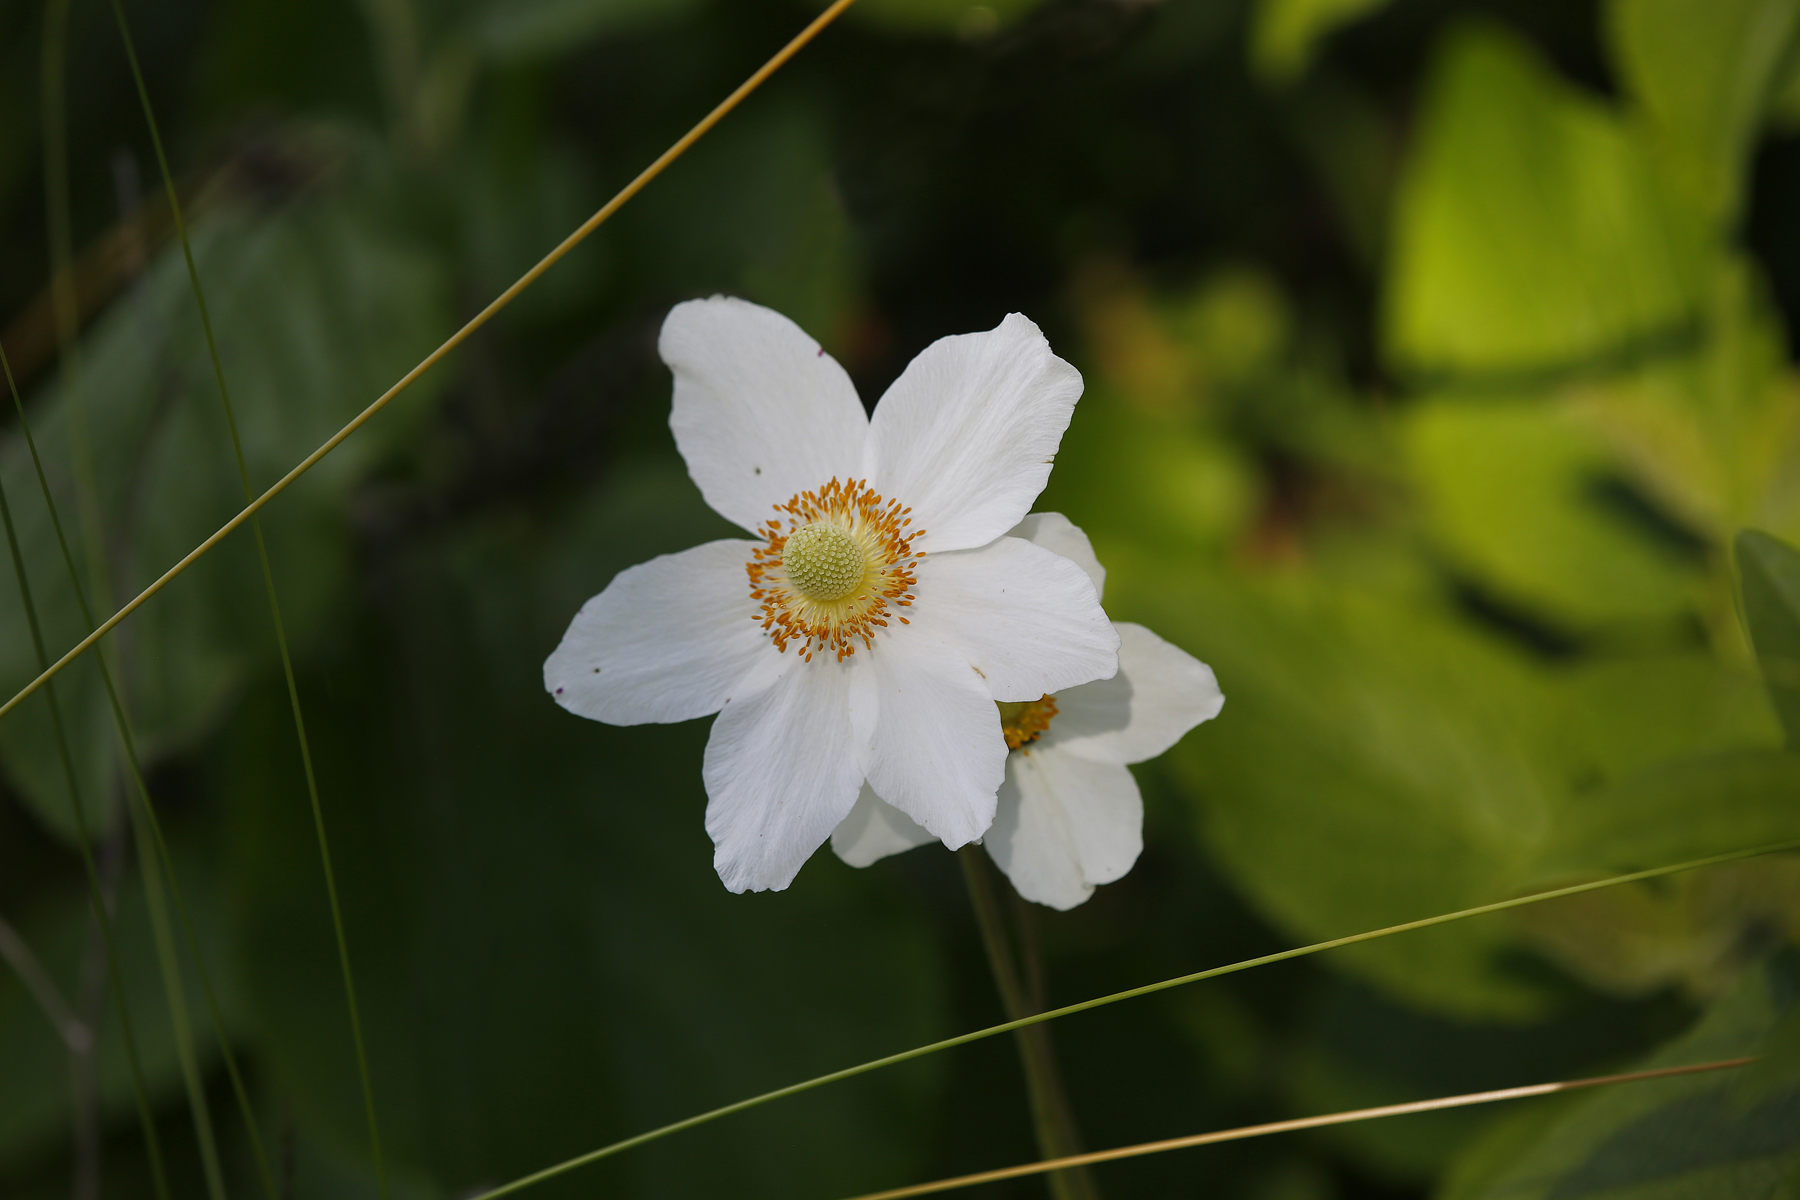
(1022, 995)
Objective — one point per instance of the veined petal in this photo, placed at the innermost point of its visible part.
(761, 412)
(1064, 825)
(1059, 535)
(1025, 619)
(667, 640)
(967, 434)
(934, 747)
(875, 829)
(781, 773)
(1160, 692)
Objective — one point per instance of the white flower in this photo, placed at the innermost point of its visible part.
(1070, 816)
(868, 631)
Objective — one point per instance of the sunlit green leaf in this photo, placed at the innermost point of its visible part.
(1769, 578)
(1518, 492)
(1702, 74)
(1530, 228)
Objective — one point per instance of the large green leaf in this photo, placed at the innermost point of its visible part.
(1685, 1138)
(1702, 75)
(1531, 230)
(317, 310)
(1516, 492)
(1374, 764)
(1769, 582)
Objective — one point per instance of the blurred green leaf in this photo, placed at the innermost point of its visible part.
(1530, 228)
(1666, 1139)
(1702, 75)
(1285, 33)
(318, 309)
(1515, 493)
(1769, 582)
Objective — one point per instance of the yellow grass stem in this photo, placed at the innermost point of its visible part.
(1339, 1118)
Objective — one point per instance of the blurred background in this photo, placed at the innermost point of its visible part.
(1435, 351)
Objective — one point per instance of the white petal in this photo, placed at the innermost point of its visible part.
(1065, 824)
(967, 434)
(667, 640)
(761, 412)
(875, 829)
(782, 770)
(1160, 692)
(934, 749)
(1056, 533)
(1025, 619)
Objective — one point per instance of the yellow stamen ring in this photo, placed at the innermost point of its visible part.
(1024, 721)
(837, 562)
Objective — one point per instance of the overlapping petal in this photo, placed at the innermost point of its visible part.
(761, 411)
(1160, 692)
(667, 640)
(782, 770)
(875, 829)
(1058, 534)
(1027, 621)
(1065, 824)
(934, 748)
(967, 434)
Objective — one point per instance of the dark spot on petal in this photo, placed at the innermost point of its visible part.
(596, 670)
(559, 691)
(821, 352)
(758, 470)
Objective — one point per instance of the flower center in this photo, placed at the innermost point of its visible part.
(823, 561)
(837, 562)
(1024, 721)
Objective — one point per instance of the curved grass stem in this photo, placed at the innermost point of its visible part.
(807, 1085)
(456, 339)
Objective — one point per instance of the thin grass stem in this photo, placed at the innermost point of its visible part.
(281, 639)
(456, 339)
(84, 841)
(807, 1085)
(1338, 1118)
(143, 817)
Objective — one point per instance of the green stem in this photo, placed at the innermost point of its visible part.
(1021, 996)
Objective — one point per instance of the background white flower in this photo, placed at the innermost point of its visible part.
(869, 630)
(1070, 816)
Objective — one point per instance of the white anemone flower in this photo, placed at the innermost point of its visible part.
(868, 630)
(1070, 815)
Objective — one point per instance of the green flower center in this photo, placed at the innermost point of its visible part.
(824, 561)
